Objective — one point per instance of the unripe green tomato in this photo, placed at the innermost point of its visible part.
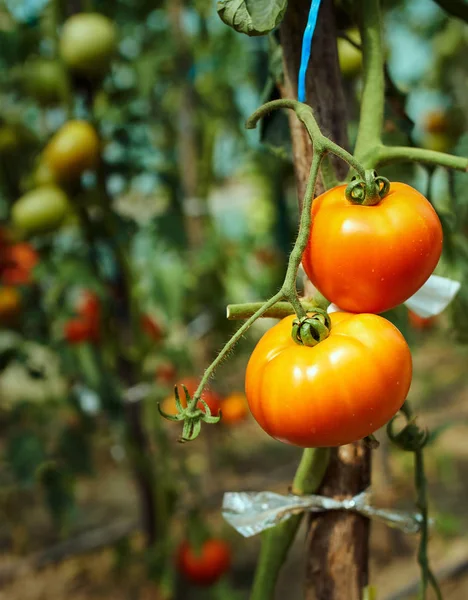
(41, 210)
(43, 175)
(75, 148)
(87, 43)
(350, 58)
(44, 80)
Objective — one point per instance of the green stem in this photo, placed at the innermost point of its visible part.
(372, 105)
(427, 576)
(385, 155)
(230, 345)
(278, 311)
(277, 541)
(289, 286)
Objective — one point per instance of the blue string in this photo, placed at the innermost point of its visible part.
(306, 47)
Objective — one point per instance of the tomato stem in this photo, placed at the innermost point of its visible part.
(277, 311)
(277, 541)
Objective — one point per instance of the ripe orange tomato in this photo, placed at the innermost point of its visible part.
(339, 391)
(74, 149)
(418, 322)
(372, 258)
(79, 330)
(207, 565)
(10, 304)
(18, 260)
(87, 43)
(151, 327)
(234, 408)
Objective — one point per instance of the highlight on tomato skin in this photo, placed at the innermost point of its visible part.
(369, 259)
(206, 565)
(337, 392)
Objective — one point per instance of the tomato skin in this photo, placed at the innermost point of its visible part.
(208, 565)
(45, 80)
(234, 409)
(339, 391)
(41, 210)
(372, 258)
(421, 323)
(87, 43)
(78, 330)
(10, 304)
(75, 148)
(17, 262)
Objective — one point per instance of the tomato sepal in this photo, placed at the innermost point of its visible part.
(192, 417)
(368, 191)
(411, 438)
(311, 329)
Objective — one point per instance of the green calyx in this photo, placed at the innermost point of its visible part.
(311, 329)
(368, 191)
(191, 415)
(411, 438)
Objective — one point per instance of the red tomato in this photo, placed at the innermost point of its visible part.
(18, 260)
(151, 327)
(234, 409)
(78, 330)
(372, 258)
(339, 391)
(89, 306)
(206, 566)
(418, 322)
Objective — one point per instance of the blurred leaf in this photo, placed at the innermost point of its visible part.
(252, 17)
(58, 485)
(74, 449)
(24, 453)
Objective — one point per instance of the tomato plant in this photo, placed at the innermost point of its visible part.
(79, 330)
(372, 258)
(40, 210)
(75, 148)
(17, 262)
(152, 328)
(87, 43)
(204, 565)
(339, 391)
(212, 398)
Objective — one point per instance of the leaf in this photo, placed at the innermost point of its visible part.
(24, 453)
(252, 17)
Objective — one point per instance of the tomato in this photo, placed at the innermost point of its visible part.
(421, 323)
(89, 306)
(151, 327)
(349, 56)
(75, 148)
(18, 260)
(339, 391)
(78, 330)
(45, 80)
(234, 408)
(372, 258)
(43, 209)
(436, 122)
(87, 43)
(191, 383)
(43, 175)
(166, 372)
(10, 304)
(207, 565)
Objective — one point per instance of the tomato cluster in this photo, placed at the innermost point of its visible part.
(365, 258)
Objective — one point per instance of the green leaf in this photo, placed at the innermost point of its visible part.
(252, 17)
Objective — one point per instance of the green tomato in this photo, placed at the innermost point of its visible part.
(41, 210)
(87, 43)
(44, 80)
(349, 56)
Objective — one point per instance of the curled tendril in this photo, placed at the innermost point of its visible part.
(192, 415)
(311, 329)
(368, 191)
(411, 438)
